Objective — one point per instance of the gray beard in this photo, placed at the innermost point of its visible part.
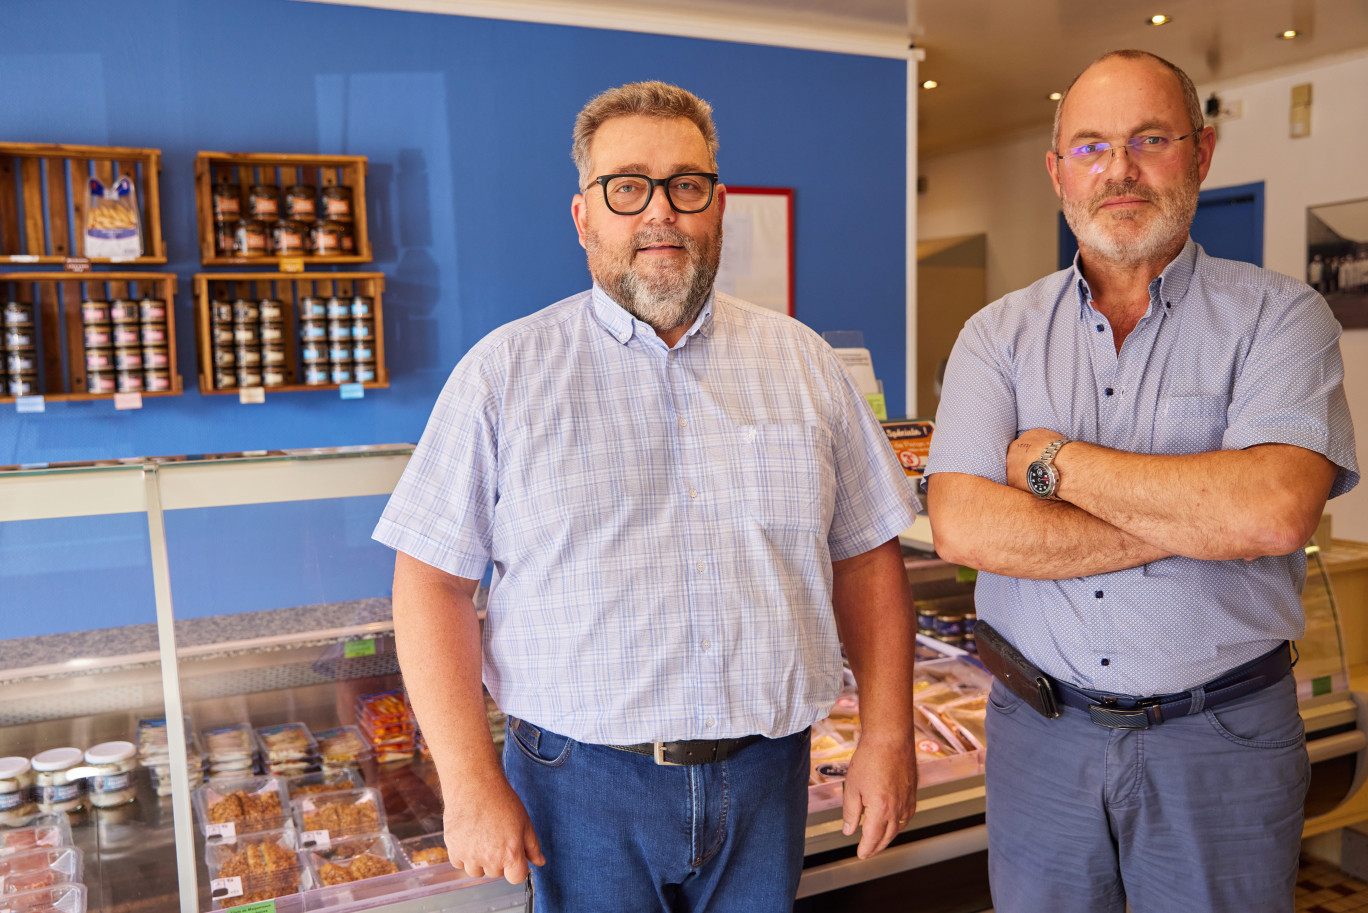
(1176, 209)
(669, 299)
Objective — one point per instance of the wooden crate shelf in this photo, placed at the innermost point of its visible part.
(57, 301)
(288, 288)
(43, 191)
(281, 170)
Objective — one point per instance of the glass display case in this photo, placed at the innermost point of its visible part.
(229, 616)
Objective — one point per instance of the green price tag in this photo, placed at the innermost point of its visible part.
(357, 648)
(265, 906)
(965, 574)
(876, 400)
(1320, 686)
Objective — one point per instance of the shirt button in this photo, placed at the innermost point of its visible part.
(711, 722)
(706, 645)
(1100, 328)
(1108, 391)
(701, 565)
(1097, 595)
(1105, 661)
(693, 492)
(683, 423)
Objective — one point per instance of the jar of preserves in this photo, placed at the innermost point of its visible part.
(156, 357)
(263, 202)
(151, 310)
(337, 203)
(272, 377)
(363, 306)
(273, 355)
(312, 353)
(272, 332)
(95, 311)
(312, 330)
(100, 382)
(247, 356)
(245, 311)
(362, 351)
(100, 359)
(363, 329)
(288, 236)
(100, 335)
(220, 312)
(18, 313)
(247, 333)
(251, 239)
(111, 780)
(311, 306)
(339, 351)
(153, 334)
(221, 334)
(224, 358)
(249, 377)
(124, 311)
(270, 310)
(22, 384)
(125, 359)
(225, 237)
(17, 801)
(340, 372)
(365, 372)
(327, 239)
(227, 202)
(21, 337)
(128, 334)
(338, 308)
(316, 375)
(301, 203)
(156, 380)
(224, 379)
(339, 330)
(22, 361)
(128, 381)
(56, 792)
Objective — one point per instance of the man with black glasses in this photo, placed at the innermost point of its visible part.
(1133, 452)
(685, 500)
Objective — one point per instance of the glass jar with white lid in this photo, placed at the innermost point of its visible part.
(17, 802)
(57, 792)
(110, 773)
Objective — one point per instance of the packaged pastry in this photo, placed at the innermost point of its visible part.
(325, 817)
(324, 781)
(287, 742)
(354, 859)
(254, 868)
(113, 226)
(61, 898)
(227, 808)
(342, 747)
(421, 852)
(40, 868)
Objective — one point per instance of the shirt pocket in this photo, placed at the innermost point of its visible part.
(1190, 424)
(779, 471)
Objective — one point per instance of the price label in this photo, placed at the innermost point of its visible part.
(127, 400)
(26, 405)
(876, 402)
(352, 391)
(292, 264)
(226, 830)
(252, 396)
(317, 840)
(23, 258)
(220, 888)
(353, 649)
(76, 264)
(263, 906)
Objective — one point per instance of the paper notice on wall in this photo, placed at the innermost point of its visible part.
(861, 367)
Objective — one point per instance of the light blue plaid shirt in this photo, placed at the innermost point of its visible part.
(1227, 356)
(662, 522)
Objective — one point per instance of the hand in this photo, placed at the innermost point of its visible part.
(488, 833)
(881, 786)
(1024, 451)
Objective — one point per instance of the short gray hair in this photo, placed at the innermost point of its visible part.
(1190, 99)
(647, 99)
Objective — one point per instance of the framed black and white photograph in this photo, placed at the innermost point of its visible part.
(1337, 258)
(757, 247)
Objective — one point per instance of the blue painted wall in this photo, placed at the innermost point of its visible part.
(466, 123)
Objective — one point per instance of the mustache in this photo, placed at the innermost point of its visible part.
(661, 234)
(1112, 191)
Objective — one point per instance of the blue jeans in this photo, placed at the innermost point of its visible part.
(622, 834)
(1200, 813)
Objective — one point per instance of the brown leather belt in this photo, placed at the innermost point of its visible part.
(696, 751)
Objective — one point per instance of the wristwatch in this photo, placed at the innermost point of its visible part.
(1041, 476)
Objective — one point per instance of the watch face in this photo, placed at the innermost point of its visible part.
(1040, 479)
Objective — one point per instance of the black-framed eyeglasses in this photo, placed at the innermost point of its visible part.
(629, 194)
(1094, 158)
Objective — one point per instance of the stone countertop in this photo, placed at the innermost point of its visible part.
(112, 643)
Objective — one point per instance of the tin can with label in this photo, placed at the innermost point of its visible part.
(101, 359)
(273, 355)
(312, 353)
(249, 377)
(157, 380)
(313, 330)
(23, 384)
(153, 334)
(220, 312)
(315, 375)
(248, 356)
(100, 335)
(152, 310)
(18, 314)
(125, 334)
(272, 332)
(272, 377)
(128, 381)
(93, 311)
(156, 357)
(123, 311)
(270, 310)
(311, 306)
(128, 359)
(21, 361)
(362, 306)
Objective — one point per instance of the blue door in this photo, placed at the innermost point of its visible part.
(1229, 223)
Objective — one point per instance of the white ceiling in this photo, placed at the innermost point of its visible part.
(996, 60)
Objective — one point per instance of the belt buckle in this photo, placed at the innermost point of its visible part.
(1111, 716)
(658, 752)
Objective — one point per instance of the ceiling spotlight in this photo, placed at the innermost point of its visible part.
(1159, 19)
(1056, 96)
(929, 84)
(1289, 33)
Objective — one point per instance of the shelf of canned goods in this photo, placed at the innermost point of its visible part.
(83, 336)
(289, 331)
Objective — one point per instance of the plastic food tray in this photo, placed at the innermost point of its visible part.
(328, 816)
(205, 798)
(345, 853)
(255, 867)
(343, 747)
(64, 898)
(287, 742)
(322, 783)
(233, 742)
(41, 868)
(416, 845)
(42, 831)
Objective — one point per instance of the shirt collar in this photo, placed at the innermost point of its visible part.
(1168, 287)
(622, 326)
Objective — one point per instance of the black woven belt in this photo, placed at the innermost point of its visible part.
(1142, 713)
(696, 751)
